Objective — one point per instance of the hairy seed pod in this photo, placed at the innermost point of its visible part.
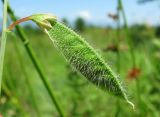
(81, 56)
(84, 58)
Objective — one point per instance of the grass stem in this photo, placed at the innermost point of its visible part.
(118, 108)
(128, 34)
(3, 41)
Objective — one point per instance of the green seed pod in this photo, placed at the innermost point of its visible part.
(84, 58)
(81, 55)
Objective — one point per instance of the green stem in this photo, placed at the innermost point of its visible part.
(118, 109)
(118, 40)
(3, 41)
(138, 96)
(35, 62)
(131, 44)
(128, 34)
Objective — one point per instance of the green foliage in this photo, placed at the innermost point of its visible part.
(141, 33)
(75, 95)
(80, 24)
(157, 33)
(94, 100)
(65, 21)
(3, 41)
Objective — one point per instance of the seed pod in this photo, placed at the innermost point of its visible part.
(80, 55)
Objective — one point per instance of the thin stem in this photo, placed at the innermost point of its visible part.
(132, 52)
(118, 39)
(128, 34)
(35, 61)
(118, 108)
(3, 41)
(138, 95)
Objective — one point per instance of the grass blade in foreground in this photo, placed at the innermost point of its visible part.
(79, 54)
(3, 41)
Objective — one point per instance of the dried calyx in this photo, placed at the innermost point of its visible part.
(42, 20)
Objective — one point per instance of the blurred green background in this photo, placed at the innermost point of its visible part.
(76, 96)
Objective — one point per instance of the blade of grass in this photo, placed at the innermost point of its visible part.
(3, 41)
(35, 61)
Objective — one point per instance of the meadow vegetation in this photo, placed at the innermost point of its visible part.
(24, 93)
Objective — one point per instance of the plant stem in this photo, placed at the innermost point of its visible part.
(132, 52)
(138, 96)
(35, 61)
(3, 41)
(118, 38)
(128, 34)
(118, 109)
